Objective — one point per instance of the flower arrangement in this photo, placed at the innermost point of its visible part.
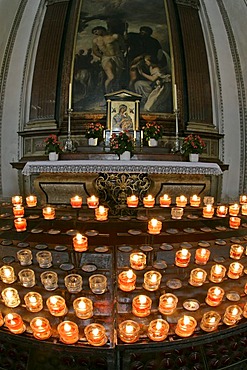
(122, 142)
(52, 144)
(152, 130)
(94, 130)
(193, 144)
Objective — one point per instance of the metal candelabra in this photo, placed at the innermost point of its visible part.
(176, 147)
(68, 145)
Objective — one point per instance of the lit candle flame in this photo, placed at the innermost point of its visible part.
(67, 327)
(142, 299)
(129, 274)
(129, 328)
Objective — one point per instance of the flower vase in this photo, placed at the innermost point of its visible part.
(152, 142)
(125, 156)
(93, 141)
(53, 156)
(194, 157)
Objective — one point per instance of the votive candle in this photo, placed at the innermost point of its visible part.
(93, 201)
(83, 307)
(167, 303)
(76, 201)
(68, 332)
(14, 323)
(177, 213)
(235, 270)
(132, 201)
(210, 321)
(11, 297)
(141, 305)
(234, 222)
(208, 200)
(208, 211)
(221, 211)
(127, 280)
(243, 199)
(244, 209)
(215, 295)
(137, 260)
(152, 280)
(165, 201)
(217, 273)
(18, 211)
(234, 209)
(149, 201)
(41, 328)
(129, 331)
(185, 326)
(48, 213)
(95, 334)
(182, 258)
(33, 301)
(7, 274)
(236, 251)
(202, 256)
(20, 224)
(181, 201)
(80, 243)
(31, 201)
(17, 199)
(195, 201)
(56, 305)
(154, 226)
(197, 277)
(232, 315)
(158, 330)
(101, 213)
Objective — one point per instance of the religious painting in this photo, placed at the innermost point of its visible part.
(122, 45)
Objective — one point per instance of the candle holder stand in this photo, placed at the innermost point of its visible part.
(69, 145)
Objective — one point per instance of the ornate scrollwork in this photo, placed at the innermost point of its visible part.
(114, 188)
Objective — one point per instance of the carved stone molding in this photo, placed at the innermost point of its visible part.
(191, 3)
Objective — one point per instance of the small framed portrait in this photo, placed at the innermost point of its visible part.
(123, 109)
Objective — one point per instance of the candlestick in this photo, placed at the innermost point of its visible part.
(234, 222)
(56, 305)
(20, 224)
(25, 257)
(148, 201)
(17, 199)
(11, 297)
(73, 283)
(234, 209)
(152, 280)
(48, 213)
(236, 251)
(129, 331)
(175, 99)
(181, 201)
(31, 201)
(68, 332)
(137, 260)
(185, 326)
(70, 96)
(197, 277)
(44, 259)
(49, 280)
(202, 256)
(214, 296)
(167, 303)
(83, 308)
(127, 280)
(232, 315)
(33, 301)
(41, 328)
(101, 213)
(195, 201)
(95, 334)
(217, 273)
(14, 323)
(182, 258)
(154, 226)
(165, 201)
(141, 306)
(177, 213)
(80, 243)
(18, 210)
(208, 211)
(235, 270)
(221, 211)
(158, 330)
(76, 201)
(98, 283)
(132, 201)
(210, 321)
(7, 274)
(92, 202)
(27, 278)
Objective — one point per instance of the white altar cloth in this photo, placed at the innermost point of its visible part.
(131, 166)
